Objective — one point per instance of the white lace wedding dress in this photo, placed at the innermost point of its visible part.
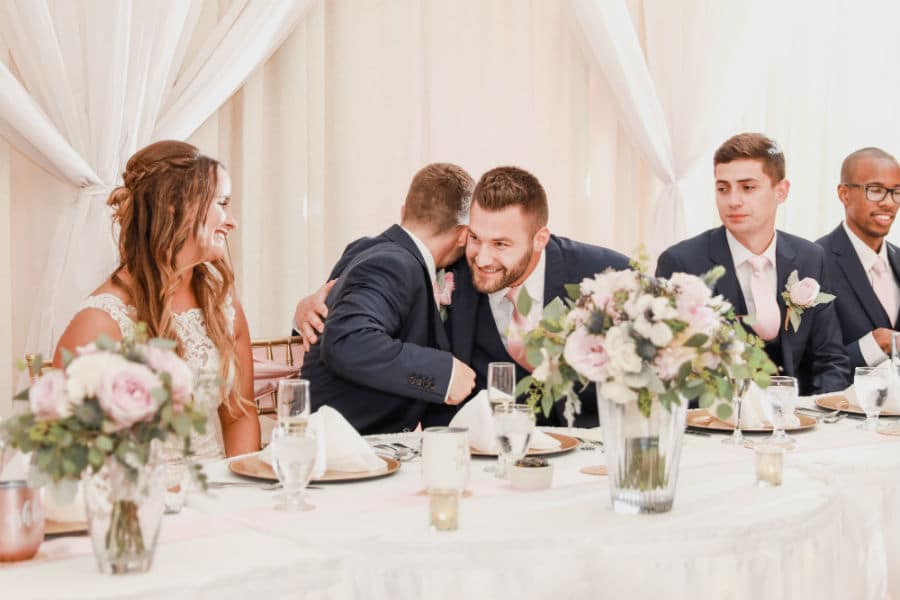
(199, 352)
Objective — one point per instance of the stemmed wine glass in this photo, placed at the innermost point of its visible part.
(782, 397)
(871, 385)
(294, 445)
(513, 425)
(501, 383)
(737, 400)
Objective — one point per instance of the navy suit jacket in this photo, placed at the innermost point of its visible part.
(473, 332)
(815, 354)
(858, 309)
(384, 356)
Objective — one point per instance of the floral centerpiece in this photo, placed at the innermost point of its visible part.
(650, 345)
(102, 419)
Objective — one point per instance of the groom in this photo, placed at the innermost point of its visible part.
(750, 184)
(384, 360)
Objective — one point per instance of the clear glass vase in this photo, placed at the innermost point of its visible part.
(642, 454)
(124, 515)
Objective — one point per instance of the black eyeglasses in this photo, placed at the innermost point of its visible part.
(876, 192)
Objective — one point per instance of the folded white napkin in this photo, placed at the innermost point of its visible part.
(756, 411)
(340, 447)
(476, 416)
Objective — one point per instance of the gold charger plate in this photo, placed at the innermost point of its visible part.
(566, 443)
(699, 418)
(59, 527)
(838, 402)
(255, 467)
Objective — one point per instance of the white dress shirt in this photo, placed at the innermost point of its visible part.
(868, 347)
(502, 308)
(744, 271)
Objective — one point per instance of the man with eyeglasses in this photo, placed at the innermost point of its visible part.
(863, 268)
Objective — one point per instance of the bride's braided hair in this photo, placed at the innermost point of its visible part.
(168, 187)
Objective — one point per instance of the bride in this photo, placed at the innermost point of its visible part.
(174, 216)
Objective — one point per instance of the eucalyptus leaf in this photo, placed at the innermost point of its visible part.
(824, 298)
(523, 303)
(793, 279)
(696, 340)
(573, 290)
(723, 411)
(795, 319)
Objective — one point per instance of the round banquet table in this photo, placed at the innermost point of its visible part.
(831, 531)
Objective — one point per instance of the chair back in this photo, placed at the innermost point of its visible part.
(274, 359)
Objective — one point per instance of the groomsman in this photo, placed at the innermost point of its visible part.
(384, 360)
(750, 184)
(509, 248)
(863, 268)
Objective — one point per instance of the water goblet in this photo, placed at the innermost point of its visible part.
(513, 426)
(782, 397)
(871, 386)
(501, 383)
(737, 398)
(294, 445)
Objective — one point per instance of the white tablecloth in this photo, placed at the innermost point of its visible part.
(831, 531)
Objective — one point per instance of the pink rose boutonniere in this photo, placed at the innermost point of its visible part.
(800, 294)
(443, 291)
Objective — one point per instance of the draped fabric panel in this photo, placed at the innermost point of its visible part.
(93, 78)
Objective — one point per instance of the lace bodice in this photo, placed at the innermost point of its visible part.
(199, 352)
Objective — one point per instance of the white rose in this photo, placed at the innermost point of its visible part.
(622, 350)
(85, 374)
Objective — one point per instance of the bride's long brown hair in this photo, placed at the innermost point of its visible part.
(168, 189)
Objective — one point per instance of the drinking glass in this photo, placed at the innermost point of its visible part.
(294, 445)
(513, 426)
(737, 399)
(501, 383)
(782, 397)
(871, 387)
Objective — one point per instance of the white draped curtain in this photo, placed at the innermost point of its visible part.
(680, 81)
(96, 80)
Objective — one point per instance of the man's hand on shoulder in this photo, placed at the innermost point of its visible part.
(310, 313)
(461, 384)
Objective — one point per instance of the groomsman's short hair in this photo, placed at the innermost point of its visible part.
(854, 157)
(439, 196)
(753, 146)
(512, 186)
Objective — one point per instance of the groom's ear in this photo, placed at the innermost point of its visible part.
(541, 238)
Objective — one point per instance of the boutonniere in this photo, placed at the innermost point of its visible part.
(800, 294)
(443, 291)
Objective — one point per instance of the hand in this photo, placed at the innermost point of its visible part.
(462, 383)
(883, 339)
(309, 316)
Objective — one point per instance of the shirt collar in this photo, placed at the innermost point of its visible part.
(425, 252)
(741, 254)
(866, 255)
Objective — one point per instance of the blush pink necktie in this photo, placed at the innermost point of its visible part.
(768, 316)
(518, 327)
(883, 284)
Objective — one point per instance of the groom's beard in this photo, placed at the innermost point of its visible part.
(502, 278)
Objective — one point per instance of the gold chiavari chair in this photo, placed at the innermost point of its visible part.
(286, 351)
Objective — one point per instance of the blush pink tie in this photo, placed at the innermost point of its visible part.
(883, 284)
(768, 316)
(518, 327)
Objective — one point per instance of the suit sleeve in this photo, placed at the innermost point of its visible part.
(361, 342)
(667, 264)
(829, 364)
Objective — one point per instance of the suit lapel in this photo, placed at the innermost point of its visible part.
(555, 273)
(785, 264)
(727, 286)
(396, 234)
(850, 264)
(894, 259)
(462, 322)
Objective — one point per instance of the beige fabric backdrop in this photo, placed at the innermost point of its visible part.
(322, 141)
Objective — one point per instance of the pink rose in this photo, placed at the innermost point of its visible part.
(166, 361)
(587, 354)
(691, 292)
(48, 397)
(804, 292)
(125, 394)
(443, 290)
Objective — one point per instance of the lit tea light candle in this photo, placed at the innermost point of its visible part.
(444, 508)
(769, 465)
